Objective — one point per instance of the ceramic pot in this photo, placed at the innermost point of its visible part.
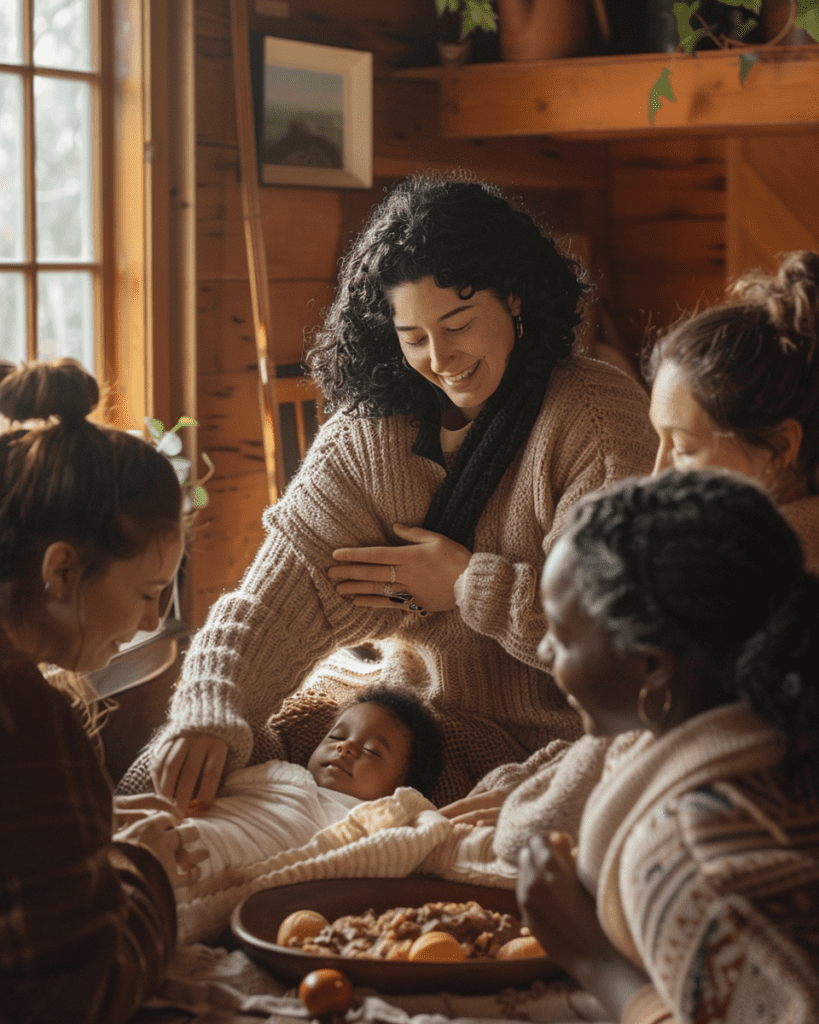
(775, 17)
(453, 54)
(542, 29)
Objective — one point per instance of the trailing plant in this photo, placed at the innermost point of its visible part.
(804, 14)
(170, 444)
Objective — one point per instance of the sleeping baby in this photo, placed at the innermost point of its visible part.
(384, 738)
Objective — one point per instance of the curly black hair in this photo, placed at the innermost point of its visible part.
(467, 235)
(702, 564)
(426, 754)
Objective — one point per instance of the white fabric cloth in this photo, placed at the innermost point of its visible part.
(263, 810)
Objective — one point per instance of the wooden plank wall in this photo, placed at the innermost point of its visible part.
(773, 202)
(667, 232)
(307, 230)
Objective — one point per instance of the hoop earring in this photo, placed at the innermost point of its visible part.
(643, 715)
(518, 322)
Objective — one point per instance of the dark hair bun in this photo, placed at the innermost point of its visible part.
(37, 390)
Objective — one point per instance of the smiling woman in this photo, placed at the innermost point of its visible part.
(90, 535)
(737, 386)
(407, 548)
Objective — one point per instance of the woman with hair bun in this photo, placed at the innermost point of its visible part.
(407, 548)
(90, 538)
(737, 386)
(679, 606)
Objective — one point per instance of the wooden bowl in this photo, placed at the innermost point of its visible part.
(255, 923)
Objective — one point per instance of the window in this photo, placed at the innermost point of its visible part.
(52, 285)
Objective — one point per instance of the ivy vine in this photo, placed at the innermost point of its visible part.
(692, 28)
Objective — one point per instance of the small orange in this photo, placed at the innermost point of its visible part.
(517, 949)
(326, 991)
(437, 946)
(301, 924)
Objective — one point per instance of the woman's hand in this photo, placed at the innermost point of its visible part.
(138, 806)
(562, 915)
(481, 809)
(425, 569)
(554, 904)
(188, 767)
(165, 836)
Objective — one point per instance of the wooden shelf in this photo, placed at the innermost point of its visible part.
(607, 97)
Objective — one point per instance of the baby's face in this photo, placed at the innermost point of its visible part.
(365, 754)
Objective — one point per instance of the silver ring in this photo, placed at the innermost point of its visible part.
(392, 574)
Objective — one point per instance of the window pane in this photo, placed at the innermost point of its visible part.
(65, 316)
(62, 112)
(13, 320)
(62, 34)
(11, 31)
(12, 207)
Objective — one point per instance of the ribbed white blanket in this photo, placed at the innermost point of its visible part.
(387, 838)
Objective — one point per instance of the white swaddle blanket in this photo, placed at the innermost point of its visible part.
(262, 810)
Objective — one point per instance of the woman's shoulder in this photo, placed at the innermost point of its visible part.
(590, 376)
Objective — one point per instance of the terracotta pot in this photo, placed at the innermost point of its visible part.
(775, 17)
(541, 29)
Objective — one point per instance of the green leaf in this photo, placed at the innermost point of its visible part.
(156, 428)
(751, 5)
(662, 87)
(478, 14)
(446, 7)
(186, 421)
(808, 17)
(199, 497)
(688, 36)
(746, 62)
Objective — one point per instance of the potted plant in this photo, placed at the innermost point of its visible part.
(457, 20)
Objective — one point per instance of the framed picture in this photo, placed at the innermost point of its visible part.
(314, 113)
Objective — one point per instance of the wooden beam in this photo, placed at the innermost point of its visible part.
(608, 97)
(256, 253)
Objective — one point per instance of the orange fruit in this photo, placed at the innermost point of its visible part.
(517, 949)
(326, 991)
(301, 924)
(437, 946)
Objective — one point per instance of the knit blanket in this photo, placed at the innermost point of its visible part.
(387, 838)
(705, 865)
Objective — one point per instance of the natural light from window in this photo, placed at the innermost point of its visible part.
(49, 168)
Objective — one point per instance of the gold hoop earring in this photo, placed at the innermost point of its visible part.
(643, 715)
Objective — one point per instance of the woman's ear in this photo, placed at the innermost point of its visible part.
(655, 700)
(514, 304)
(787, 438)
(61, 570)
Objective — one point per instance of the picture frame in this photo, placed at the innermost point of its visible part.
(313, 112)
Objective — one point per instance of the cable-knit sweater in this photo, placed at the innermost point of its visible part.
(261, 641)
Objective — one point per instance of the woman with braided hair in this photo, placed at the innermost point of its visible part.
(737, 386)
(90, 539)
(407, 548)
(679, 606)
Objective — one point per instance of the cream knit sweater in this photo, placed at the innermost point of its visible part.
(261, 641)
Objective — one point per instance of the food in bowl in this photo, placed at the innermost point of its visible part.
(441, 931)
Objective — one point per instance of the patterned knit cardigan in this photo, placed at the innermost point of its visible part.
(704, 859)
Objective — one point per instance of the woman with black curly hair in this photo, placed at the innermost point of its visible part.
(679, 606)
(464, 429)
